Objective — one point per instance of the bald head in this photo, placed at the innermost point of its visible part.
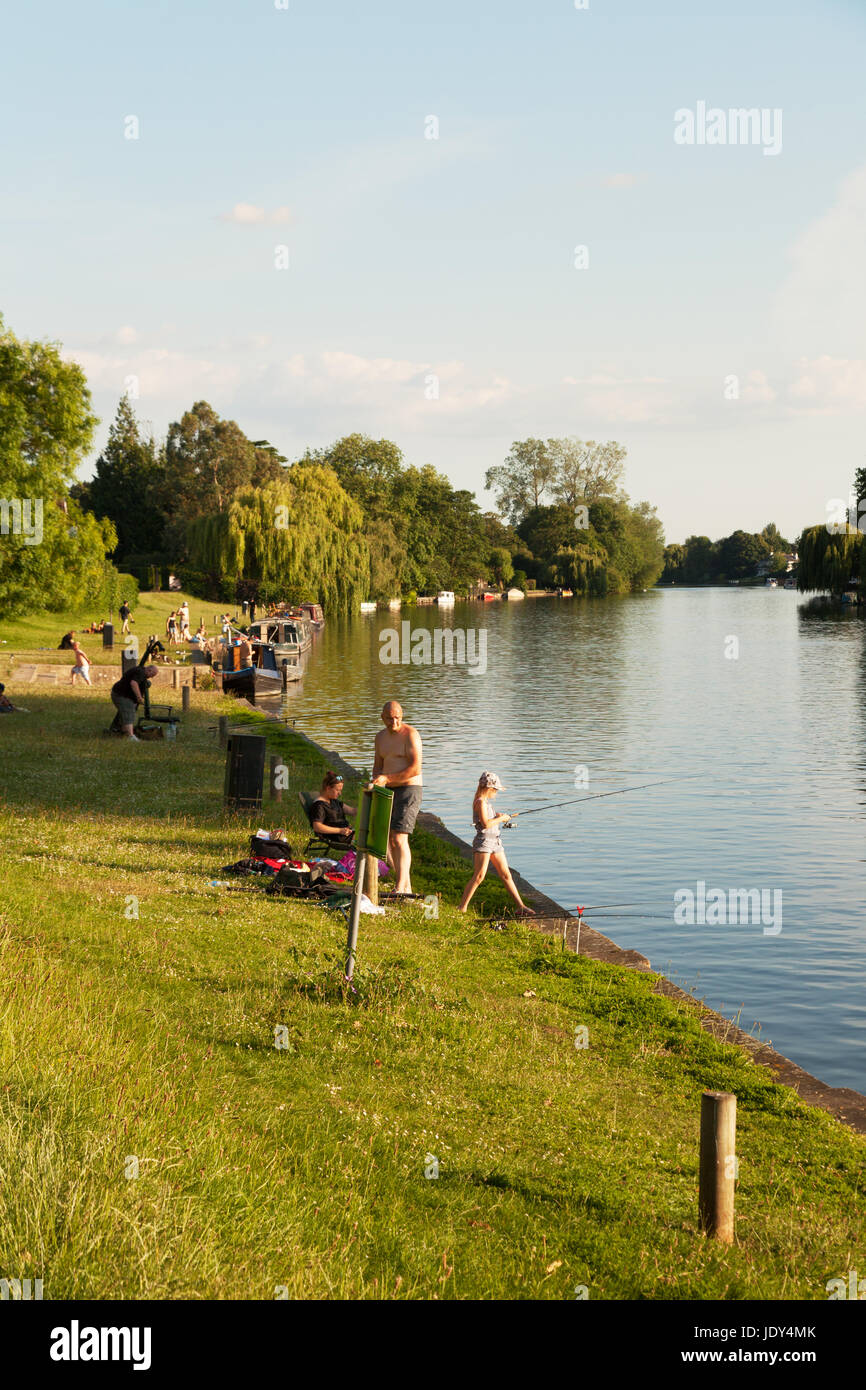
(392, 715)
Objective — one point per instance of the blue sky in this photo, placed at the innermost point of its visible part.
(409, 257)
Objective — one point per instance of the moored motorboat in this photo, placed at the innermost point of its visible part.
(513, 595)
(262, 678)
(445, 598)
(368, 607)
(289, 634)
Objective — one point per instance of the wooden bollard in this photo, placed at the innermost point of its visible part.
(194, 674)
(223, 725)
(371, 878)
(174, 675)
(718, 1167)
(184, 698)
(276, 792)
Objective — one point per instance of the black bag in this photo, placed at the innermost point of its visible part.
(293, 882)
(260, 848)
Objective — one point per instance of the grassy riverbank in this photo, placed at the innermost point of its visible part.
(38, 634)
(150, 1037)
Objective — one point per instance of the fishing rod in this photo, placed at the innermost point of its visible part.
(575, 801)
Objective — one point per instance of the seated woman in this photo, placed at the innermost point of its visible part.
(199, 638)
(328, 815)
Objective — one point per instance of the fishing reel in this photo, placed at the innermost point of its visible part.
(509, 824)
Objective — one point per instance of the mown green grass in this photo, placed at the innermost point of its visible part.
(35, 637)
(152, 1037)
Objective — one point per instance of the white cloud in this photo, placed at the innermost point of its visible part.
(126, 334)
(828, 385)
(821, 307)
(248, 214)
(622, 180)
(757, 390)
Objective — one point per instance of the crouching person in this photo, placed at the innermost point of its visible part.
(128, 693)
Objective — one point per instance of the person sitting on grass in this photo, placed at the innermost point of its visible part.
(199, 638)
(6, 705)
(487, 845)
(328, 815)
(128, 693)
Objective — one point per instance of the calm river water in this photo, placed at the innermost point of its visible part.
(758, 701)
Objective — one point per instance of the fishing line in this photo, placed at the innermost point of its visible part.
(598, 796)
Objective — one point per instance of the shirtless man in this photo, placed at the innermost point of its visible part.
(397, 764)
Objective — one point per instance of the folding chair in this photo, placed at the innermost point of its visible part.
(321, 844)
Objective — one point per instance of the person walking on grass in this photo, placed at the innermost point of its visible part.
(171, 628)
(126, 615)
(128, 693)
(487, 845)
(82, 664)
(397, 764)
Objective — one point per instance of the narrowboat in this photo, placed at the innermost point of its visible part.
(315, 616)
(290, 636)
(262, 678)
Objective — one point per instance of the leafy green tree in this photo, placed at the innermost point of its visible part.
(545, 530)
(701, 562)
(523, 479)
(129, 471)
(52, 554)
(584, 471)
(387, 559)
(501, 568)
(829, 561)
(206, 460)
(674, 557)
(299, 539)
(498, 534)
(368, 469)
(270, 465)
(740, 554)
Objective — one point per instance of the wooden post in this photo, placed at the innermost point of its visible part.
(371, 878)
(174, 675)
(718, 1165)
(276, 792)
(194, 674)
(184, 698)
(223, 724)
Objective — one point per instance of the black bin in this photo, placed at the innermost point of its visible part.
(108, 635)
(245, 772)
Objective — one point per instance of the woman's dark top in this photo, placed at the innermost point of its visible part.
(330, 813)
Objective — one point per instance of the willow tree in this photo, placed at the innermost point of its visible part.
(829, 559)
(299, 539)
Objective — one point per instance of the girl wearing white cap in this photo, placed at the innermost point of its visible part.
(487, 844)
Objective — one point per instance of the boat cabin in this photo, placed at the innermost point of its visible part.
(288, 635)
(314, 614)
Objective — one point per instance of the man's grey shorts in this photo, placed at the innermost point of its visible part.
(404, 812)
(125, 708)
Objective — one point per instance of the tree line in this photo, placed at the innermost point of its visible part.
(234, 518)
(737, 556)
